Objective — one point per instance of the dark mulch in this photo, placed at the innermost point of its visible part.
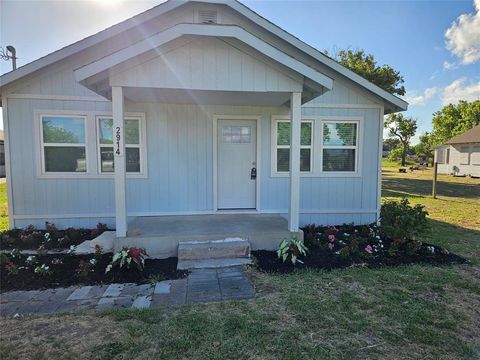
(64, 274)
(50, 238)
(323, 259)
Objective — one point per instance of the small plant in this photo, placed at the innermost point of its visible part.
(71, 250)
(31, 260)
(128, 256)
(11, 268)
(291, 250)
(98, 253)
(43, 270)
(400, 221)
(83, 269)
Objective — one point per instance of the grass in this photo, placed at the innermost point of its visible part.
(407, 312)
(3, 207)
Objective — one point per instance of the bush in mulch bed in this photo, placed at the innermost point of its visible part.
(21, 272)
(329, 247)
(49, 238)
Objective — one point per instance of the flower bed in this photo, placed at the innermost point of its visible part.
(49, 238)
(21, 272)
(347, 245)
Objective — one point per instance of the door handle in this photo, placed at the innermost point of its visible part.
(253, 173)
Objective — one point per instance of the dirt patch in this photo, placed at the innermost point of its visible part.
(63, 272)
(317, 258)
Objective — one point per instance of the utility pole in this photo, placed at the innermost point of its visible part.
(434, 186)
(9, 54)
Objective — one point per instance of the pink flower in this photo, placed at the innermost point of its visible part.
(331, 237)
(330, 246)
(368, 249)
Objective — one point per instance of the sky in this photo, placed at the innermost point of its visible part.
(434, 44)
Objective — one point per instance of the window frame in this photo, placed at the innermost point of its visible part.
(43, 144)
(275, 146)
(317, 142)
(346, 147)
(141, 145)
(464, 151)
(91, 152)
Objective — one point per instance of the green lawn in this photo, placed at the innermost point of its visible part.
(407, 312)
(3, 207)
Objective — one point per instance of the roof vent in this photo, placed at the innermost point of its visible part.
(207, 16)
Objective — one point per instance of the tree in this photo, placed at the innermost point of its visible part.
(403, 128)
(453, 120)
(390, 144)
(425, 147)
(366, 66)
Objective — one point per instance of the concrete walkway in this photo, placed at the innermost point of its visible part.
(202, 285)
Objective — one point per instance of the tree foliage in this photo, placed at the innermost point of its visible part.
(425, 147)
(366, 66)
(403, 128)
(454, 120)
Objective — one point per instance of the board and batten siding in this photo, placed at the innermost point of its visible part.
(179, 147)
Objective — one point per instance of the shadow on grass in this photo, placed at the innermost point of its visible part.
(459, 240)
(399, 187)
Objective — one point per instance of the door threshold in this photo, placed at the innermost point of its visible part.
(237, 211)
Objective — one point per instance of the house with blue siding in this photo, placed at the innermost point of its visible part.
(192, 110)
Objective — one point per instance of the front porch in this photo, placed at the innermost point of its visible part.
(160, 235)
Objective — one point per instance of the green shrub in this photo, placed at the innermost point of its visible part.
(292, 249)
(400, 221)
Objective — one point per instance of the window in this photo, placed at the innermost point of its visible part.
(63, 144)
(440, 156)
(282, 150)
(339, 146)
(464, 155)
(475, 155)
(447, 157)
(237, 134)
(132, 145)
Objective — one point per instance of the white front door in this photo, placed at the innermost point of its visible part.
(237, 156)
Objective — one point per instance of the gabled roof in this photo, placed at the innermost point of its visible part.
(470, 136)
(397, 104)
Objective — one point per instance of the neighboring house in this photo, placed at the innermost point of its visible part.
(460, 155)
(2, 154)
(203, 107)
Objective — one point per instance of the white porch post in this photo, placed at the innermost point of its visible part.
(295, 123)
(119, 158)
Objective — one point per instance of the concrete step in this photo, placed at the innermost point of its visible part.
(212, 263)
(214, 249)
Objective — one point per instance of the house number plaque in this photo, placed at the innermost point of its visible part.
(118, 137)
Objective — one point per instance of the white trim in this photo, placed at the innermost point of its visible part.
(56, 97)
(215, 119)
(81, 145)
(294, 175)
(342, 106)
(379, 172)
(8, 166)
(142, 145)
(184, 213)
(274, 134)
(317, 147)
(118, 137)
(91, 148)
(233, 31)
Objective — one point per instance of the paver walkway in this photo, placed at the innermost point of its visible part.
(202, 285)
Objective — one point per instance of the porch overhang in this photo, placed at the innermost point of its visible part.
(104, 73)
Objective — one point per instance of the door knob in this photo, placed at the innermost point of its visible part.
(253, 173)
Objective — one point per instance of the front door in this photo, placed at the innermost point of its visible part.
(237, 168)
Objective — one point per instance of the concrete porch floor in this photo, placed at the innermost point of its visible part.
(160, 235)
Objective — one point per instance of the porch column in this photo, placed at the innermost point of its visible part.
(294, 200)
(119, 161)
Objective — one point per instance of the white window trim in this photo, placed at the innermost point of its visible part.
(316, 170)
(91, 149)
(142, 145)
(464, 153)
(475, 155)
(356, 147)
(275, 121)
